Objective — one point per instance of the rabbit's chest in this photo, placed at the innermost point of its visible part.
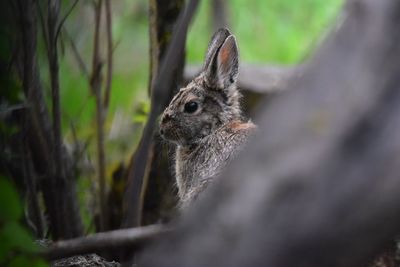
(204, 163)
(197, 167)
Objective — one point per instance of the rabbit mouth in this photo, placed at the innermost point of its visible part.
(171, 135)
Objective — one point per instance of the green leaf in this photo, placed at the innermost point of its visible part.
(139, 118)
(6, 129)
(18, 237)
(39, 263)
(24, 261)
(11, 209)
(5, 248)
(20, 261)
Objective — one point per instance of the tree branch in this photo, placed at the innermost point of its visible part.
(159, 98)
(60, 25)
(43, 25)
(52, 22)
(109, 54)
(78, 57)
(31, 185)
(96, 84)
(133, 238)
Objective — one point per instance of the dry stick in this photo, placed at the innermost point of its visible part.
(30, 183)
(52, 21)
(133, 238)
(159, 94)
(109, 54)
(60, 178)
(78, 57)
(43, 25)
(38, 127)
(64, 19)
(95, 83)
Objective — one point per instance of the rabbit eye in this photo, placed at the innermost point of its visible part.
(191, 107)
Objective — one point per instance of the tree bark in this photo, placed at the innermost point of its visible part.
(162, 86)
(158, 194)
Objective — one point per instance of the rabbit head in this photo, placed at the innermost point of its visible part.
(209, 100)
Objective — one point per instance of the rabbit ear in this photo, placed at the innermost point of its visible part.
(222, 70)
(216, 41)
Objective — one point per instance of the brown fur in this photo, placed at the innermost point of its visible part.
(210, 135)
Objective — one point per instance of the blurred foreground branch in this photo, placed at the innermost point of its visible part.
(319, 185)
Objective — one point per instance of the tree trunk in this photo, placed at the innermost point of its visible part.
(159, 198)
(163, 17)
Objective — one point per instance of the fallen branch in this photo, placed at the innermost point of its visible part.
(133, 238)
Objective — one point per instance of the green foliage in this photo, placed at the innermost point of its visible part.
(13, 210)
(277, 31)
(16, 243)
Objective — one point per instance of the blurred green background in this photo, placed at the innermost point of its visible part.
(268, 32)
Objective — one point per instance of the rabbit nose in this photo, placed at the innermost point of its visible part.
(167, 117)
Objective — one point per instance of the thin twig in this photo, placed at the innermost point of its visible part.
(64, 19)
(96, 63)
(78, 57)
(31, 186)
(43, 25)
(52, 20)
(95, 82)
(109, 54)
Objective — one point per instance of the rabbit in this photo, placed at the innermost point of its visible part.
(205, 121)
